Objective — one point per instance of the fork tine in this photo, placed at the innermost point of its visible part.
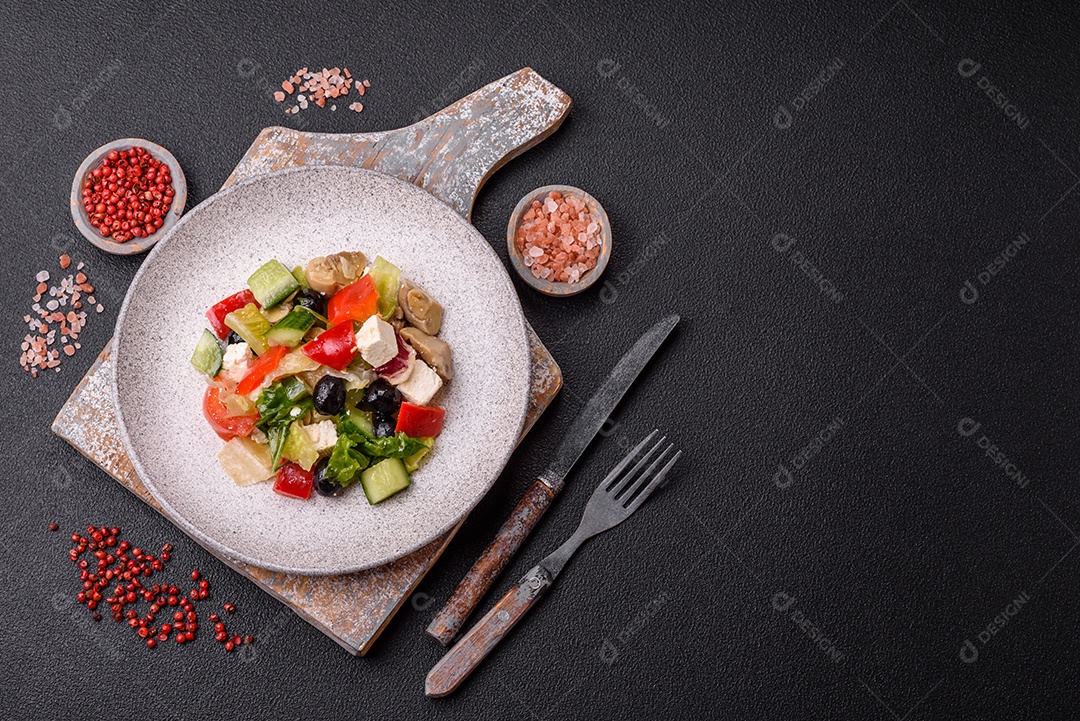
(627, 480)
(653, 485)
(645, 476)
(611, 477)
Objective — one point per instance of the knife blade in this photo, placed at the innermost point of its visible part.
(603, 402)
(446, 624)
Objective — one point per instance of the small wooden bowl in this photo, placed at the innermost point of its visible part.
(135, 245)
(550, 287)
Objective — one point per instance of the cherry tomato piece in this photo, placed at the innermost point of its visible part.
(217, 415)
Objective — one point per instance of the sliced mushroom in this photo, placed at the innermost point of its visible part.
(398, 318)
(420, 308)
(435, 352)
(331, 273)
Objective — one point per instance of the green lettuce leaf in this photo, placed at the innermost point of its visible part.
(279, 405)
(356, 448)
(396, 446)
(345, 462)
(387, 278)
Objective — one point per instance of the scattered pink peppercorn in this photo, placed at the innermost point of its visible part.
(115, 579)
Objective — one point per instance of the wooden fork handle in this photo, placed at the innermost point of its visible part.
(474, 646)
(487, 568)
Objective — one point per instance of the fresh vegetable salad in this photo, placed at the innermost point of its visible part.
(325, 377)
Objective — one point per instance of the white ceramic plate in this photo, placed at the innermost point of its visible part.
(294, 215)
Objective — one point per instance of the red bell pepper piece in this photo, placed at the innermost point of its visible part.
(218, 311)
(358, 301)
(261, 368)
(217, 415)
(419, 421)
(293, 481)
(335, 347)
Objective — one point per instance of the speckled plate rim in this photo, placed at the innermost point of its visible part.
(135, 245)
(557, 289)
(207, 540)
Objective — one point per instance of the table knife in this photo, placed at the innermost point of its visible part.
(445, 626)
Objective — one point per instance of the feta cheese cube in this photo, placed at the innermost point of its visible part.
(376, 341)
(323, 435)
(235, 362)
(421, 385)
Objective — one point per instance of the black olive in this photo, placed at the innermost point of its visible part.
(329, 395)
(311, 300)
(382, 398)
(323, 485)
(233, 337)
(383, 426)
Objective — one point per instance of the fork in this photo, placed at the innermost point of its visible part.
(621, 493)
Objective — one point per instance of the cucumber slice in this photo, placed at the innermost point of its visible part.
(301, 276)
(289, 331)
(295, 390)
(362, 420)
(384, 479)
(251, 325)
(413, 461)
(298, 447)
(207, 355)
(272, 284)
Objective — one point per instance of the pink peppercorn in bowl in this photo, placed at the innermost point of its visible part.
(559, 240)
(170, 207)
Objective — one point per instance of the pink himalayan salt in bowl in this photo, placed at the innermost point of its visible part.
(559, 239)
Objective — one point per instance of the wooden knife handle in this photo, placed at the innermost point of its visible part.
(491, 563)
(474, 646)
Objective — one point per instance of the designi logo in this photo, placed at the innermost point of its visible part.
(782, 601)
(968, 68)
(969, 652)
(784, 118)
(968, 427)
(969, 292)
(608, 652)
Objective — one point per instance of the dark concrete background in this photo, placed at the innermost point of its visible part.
(810, 187)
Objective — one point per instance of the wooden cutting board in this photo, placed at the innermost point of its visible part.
(450, 154)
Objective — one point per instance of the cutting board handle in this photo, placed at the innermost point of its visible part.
(450, 154)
